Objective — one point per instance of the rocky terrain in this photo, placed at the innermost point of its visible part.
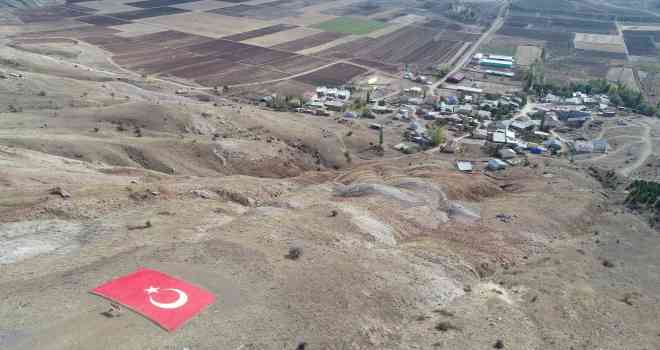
(103, 171)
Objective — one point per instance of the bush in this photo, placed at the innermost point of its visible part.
(438, 136)
(445, 326)
(294, 253)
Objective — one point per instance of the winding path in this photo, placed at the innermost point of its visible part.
(645, 152)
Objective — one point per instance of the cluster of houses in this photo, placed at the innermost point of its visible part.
(576, 110)
(326, 99)
(417, 78)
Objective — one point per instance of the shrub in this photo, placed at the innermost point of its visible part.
(445, 326)
(294, 253)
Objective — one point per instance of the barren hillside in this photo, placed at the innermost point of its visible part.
(104, 170)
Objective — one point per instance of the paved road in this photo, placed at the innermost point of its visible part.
(497, 24)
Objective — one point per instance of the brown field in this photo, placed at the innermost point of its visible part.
(527, 54)
(205, 69)
(137, 29)
(102, 20)
(162, 40)
(386, 30)
(77, 33)
(208, 24)
(240, 75)
(220, 46)
(147, 4)
(309, 42)
(297, 64)
(178, 64)
(307, 18)
(385, 67)
(52, 13)
(273, 10)
(408, 45)
(202, 5)
(599, 42)
(147, 13)
(335, 75)
(559, 24)
(623, 75)
(408, 19)
(285, 87)
(545, 35)
(267, 56)
(283, 36)
(327, 46)
(109, 6)
(152, 57)
(346, 50)
(259, 32)
(640, 44)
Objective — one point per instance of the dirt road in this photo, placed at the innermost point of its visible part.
(645, 152)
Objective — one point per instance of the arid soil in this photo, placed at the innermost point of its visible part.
(398, 251)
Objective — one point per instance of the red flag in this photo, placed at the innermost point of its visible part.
(168, 301)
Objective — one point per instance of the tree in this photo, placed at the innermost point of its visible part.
(437, 136)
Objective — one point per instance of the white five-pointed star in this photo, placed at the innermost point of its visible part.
(151, 290)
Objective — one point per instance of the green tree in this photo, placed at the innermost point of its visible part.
(438, 136)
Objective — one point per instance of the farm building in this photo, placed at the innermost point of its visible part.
(456, 78)
(464, 166)
(334, 105)
(601, 146)
(495, 63)
(500, 73)
(464, 89)
(501, 58)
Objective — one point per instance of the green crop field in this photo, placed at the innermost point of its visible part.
(349, 25)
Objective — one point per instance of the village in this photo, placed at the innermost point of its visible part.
(500, 125)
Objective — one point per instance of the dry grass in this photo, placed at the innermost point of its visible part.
(208, 24)
(282, 37)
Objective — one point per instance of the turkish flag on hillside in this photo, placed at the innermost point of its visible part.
(168, 301)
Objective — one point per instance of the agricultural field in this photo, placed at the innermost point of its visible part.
(103, 20)
(109, 6)
(500, 45)
(236, 41)
(640, 44)
(52, 13)
(415, 45)
(528, 54)
(136, 29)
(208, 24)
(202, 5)
(623, 75)
(147, 4)
(335, 75)
(259, 32)
(562, 24)
(349, 25)
(599, 42)
(308, 42)
(536, 34)
(285, 36)
(146, 13)
(653, 33)
(366, 8)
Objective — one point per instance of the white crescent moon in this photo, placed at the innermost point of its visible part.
(179, 302)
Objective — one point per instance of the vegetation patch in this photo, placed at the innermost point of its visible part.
(350, 25)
